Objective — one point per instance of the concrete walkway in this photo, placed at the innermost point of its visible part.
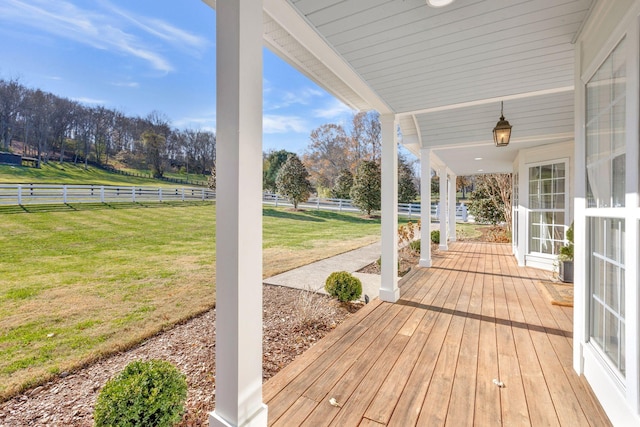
(313, 276)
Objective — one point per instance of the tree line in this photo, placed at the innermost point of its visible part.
(50, 127)
(340, 163)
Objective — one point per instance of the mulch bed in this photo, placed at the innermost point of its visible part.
(294, 320)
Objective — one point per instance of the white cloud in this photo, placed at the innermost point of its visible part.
(273, 123)
(90, 101)
(100, 30)
(126, 84)
(277, 100)
(205, 122)
(335, 109)
(162, 30)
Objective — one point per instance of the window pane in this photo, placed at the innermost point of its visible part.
(611, 286)
(534, 173)
(606, 286)
(547, 200)
(597, 324)
(611, 337)
(622, 349)
(605, 132)
(619, 163)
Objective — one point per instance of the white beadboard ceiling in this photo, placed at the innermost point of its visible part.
(442, 70)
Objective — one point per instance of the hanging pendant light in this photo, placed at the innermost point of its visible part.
(502, 131)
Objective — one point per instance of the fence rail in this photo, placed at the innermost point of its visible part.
(29, 194)
(411, 210)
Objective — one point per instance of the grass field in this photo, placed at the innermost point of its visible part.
(78, 282)
(68, 173)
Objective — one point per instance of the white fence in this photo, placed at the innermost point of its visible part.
(411, 210)
(29, 194)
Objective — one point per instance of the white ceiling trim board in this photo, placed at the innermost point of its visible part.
(286, 16)
(417, 126)
(566, 136)
(487, 101)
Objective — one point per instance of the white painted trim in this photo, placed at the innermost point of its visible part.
(587, 18)
(239, 215)
(540, 261)
(443, 208)
(579, 223)
(486, 101)
(619, 396)
(425, 214)
(612, 41)
(418, 131)
(389, 290)
(607, 390)
(452, 207)
(513, 142)
(299, 28)
(632, 226)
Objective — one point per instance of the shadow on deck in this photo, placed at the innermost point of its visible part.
(473, 341)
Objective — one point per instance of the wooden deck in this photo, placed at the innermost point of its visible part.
(434, 358)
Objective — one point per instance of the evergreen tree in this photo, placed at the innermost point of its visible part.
(407, 191)
(365, 193)
(272, 165)
(293, 181)
(343, 185)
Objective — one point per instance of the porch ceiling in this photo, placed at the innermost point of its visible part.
(443, 70)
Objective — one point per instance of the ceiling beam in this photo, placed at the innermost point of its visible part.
(487, 101)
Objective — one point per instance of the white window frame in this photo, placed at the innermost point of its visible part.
(567, 202)
(620, 397)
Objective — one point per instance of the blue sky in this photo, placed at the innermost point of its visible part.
(143, 55)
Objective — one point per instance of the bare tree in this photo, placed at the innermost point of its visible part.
(366, 136)
(12, 95)
(495, 191)
(329, 152)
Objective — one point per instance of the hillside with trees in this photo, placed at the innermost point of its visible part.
(53, 128)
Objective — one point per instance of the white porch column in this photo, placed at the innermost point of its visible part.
(425, 207)
(443, 209)
(452, 208)
(389, 290)
(239, 215)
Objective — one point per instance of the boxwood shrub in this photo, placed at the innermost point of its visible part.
(344, 286)
(144, 394)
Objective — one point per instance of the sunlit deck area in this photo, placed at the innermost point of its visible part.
(472, 341)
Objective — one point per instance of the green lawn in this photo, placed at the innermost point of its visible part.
(175, 175)
(81, 281)
(68, 173)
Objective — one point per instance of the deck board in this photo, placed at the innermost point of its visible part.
(431, 358)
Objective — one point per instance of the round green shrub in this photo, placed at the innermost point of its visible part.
(414, 245)
(343, 286)
(435, 236)
(144, 394)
